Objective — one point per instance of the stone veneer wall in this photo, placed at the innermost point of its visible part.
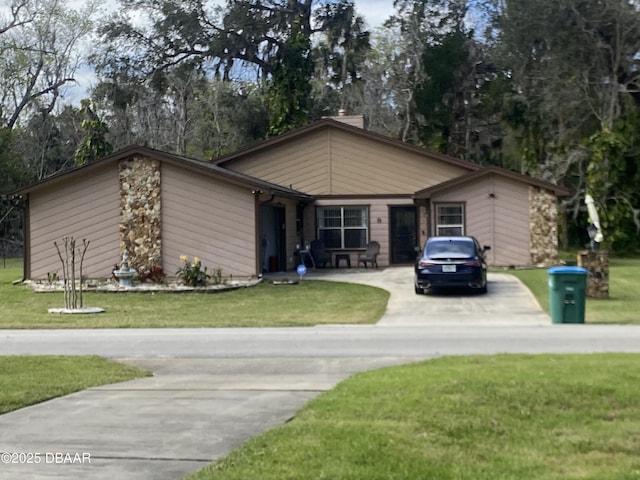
(598, 265)
(140, 214)
(543, 227)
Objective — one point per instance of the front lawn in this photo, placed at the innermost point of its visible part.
(266, 305)
(508, 417)
(624, 284)
(29, 380)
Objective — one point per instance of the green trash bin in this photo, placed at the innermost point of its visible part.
(567, 292)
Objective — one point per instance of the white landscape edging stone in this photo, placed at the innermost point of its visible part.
(83, 310)
(113, 287)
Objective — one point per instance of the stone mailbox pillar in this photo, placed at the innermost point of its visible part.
(597, 263)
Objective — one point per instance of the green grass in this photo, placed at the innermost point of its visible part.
(29, 380)
(266, 305)
(500, 417)
(497, 417)
(621, 307)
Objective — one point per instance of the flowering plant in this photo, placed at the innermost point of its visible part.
(193, 273)
(154, 274)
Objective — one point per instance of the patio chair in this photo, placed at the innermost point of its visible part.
(320, 256)
(370, 255)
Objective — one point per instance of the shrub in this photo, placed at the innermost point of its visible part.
(154, 275)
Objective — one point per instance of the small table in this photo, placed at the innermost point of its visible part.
(343, 256)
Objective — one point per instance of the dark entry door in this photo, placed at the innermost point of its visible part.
(273, 255)
(403, 223)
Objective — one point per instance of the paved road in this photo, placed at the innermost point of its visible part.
(213, 389)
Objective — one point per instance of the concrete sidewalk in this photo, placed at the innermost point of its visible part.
(189, 414)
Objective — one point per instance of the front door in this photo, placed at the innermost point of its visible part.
(403, 227)
(273, 256)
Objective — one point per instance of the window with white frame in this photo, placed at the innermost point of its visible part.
(449, 219)
(343, 227)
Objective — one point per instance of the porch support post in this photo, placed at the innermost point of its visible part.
(256, 228)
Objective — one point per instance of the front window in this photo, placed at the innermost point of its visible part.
(450, 219)
(343, 227)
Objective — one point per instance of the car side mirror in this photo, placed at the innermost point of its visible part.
(485, 248)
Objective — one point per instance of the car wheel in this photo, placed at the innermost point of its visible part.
(484, 289)
(418, 290)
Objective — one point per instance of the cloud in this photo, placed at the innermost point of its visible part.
(375, 12)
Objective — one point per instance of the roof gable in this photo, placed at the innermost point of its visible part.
(196, 166)
(483, 171)
(330, 158)
(227, 160)
(370, 179)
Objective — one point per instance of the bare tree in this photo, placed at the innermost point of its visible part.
(68, 256)
(39, 55)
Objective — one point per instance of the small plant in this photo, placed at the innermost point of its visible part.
(155, 275)
(70, 259)
(113, 270)
(193, 273)
(52, 277)
(217, 276)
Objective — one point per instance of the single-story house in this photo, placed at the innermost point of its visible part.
(251, 211)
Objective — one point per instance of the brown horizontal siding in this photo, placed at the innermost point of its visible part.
(511, 222)
(501, 222)
(84, 209)
(334, 162)
(311, 177)
(78, 230)
(379, 232)
(303, 164)
(362, 166)
(479, 223)
(478, 208)
(209, 219)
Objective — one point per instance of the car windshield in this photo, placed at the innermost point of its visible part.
(450, 249)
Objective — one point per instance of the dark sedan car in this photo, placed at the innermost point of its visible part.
(451, 262)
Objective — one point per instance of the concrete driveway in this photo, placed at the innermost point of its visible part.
(507, 302)
(213, 389)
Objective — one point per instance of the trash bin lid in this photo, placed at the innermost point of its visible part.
(567, 271)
